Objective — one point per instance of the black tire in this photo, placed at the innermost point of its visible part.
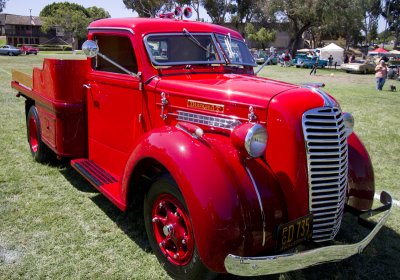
(163, 189)
(10, 54)
(40, 152)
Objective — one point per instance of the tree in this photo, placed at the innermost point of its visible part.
(51, 9)
(372, 10)
(2, 5)
(303, 15)
(347, 24)
(262, 36)
(97, 13)
(247, 10)
(218, 10)
(149, 8)
(71, 17)
(392, 15)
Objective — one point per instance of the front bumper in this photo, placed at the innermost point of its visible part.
(254, 266)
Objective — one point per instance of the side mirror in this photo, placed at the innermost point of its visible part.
(90, 48)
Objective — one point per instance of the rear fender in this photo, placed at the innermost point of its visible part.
(216, 188)
(361, 175)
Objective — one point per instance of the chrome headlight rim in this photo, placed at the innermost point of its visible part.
(255, 141)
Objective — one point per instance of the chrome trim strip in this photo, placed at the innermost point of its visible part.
(212, 121)
(265, 265)
(260, 204)
(112, 28)
(328, 102)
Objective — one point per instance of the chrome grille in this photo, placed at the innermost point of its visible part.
(327, 159)
(208, 120)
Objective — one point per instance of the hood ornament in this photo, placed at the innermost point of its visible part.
(251, 115)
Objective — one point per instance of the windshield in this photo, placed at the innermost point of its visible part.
(186, 48)
(236, 51)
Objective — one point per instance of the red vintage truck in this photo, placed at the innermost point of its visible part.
(236, 172)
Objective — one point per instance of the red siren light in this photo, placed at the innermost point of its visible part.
(167, 15)
(187, 12)
(178, 12)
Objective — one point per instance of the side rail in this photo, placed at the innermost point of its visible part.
(22, 79)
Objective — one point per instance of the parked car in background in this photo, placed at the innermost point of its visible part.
(9, 50)
(29, 50)
(394, 72)
(260, 56)
(359, 66)
(306, 61)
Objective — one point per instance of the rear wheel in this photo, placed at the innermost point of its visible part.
(170, 232)
(10, 54)
(40, 152)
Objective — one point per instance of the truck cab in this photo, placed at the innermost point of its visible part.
(233, 169)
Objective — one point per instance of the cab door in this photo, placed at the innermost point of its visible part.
(114, 102)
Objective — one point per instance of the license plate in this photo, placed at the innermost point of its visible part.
(294, 232)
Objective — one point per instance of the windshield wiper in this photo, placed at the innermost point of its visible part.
(196, 42)
(228, 45)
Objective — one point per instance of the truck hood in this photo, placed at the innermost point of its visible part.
(224, 88)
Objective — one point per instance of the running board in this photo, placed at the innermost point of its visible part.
(101, 179)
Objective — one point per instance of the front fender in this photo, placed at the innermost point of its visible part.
(218, 192)
(361, 175)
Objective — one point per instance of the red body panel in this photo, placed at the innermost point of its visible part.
(286, 154)
(108, 92)
(60, 97)
(361, 175)
(220, 196)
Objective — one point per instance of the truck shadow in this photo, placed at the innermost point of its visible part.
(380, 260)
(130, 222)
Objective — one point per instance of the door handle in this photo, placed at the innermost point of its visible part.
(88, 86)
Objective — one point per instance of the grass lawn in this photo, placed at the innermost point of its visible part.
(54, 225)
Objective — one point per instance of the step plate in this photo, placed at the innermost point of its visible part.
(93, 173)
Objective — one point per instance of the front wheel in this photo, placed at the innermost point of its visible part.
(40, 152)
(10, 54)
(170, 232)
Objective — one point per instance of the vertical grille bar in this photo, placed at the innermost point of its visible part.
(327, 159)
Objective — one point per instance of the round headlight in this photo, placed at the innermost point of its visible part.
(348, 123)
(256, 140)
(250, 139)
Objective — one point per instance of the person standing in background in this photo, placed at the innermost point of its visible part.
(314, 67)
(272, 51)
(330, 60)
(381, 71)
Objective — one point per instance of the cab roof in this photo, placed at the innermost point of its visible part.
(158, 25)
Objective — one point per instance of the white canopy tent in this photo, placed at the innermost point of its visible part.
(335, 51)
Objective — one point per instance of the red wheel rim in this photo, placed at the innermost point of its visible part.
(172, 229)
(33, 135)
